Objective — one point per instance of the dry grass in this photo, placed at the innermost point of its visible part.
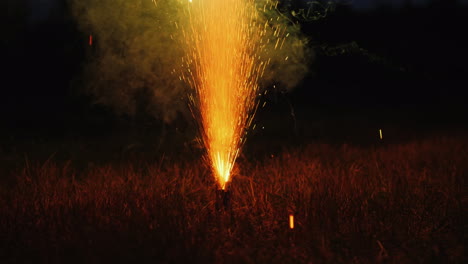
(401, 203)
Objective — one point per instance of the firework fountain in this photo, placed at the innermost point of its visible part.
(225, 42)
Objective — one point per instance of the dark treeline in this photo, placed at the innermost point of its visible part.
(394, 56)
(41, 57)
(411, 56)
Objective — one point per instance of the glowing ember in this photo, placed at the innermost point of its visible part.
(291, 221)
(380, 132)
(224, 41)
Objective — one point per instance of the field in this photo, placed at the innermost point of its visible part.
(376, 203)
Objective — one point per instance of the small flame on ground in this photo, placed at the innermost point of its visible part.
(291, 221)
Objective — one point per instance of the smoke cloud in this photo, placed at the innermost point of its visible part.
(135, 60)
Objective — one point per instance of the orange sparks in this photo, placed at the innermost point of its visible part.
(223, 67)
(291, 221)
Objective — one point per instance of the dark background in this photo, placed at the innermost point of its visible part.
(377, 64)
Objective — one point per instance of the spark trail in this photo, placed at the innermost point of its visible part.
(224, 40)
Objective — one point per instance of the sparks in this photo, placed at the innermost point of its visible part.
(291, 221)
(223, 67)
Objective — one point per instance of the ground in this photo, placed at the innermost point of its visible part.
(380, 201)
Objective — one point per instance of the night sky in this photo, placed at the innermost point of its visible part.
(365, 4)
(404, 56)
(41, 8)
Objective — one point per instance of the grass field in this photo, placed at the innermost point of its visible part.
(381, 203)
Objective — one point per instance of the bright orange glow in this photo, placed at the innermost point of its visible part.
(291, 221)
(224, 65)
(380, 132)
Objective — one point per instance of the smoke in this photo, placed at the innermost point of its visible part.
(135, 61)
(289, 61)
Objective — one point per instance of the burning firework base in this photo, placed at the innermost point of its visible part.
(223, 209)
(223, 201)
